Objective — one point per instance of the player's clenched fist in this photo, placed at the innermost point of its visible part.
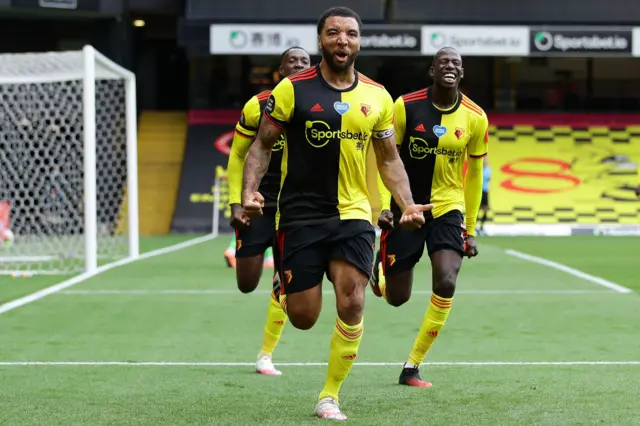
(238, 219)
(470, 247)
(385, 221)
(253, 204)
(413, 217)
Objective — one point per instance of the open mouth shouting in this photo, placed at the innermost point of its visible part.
(341, 56)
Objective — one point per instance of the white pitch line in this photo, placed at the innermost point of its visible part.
(142, 292)
(304, 364)
(571, 271)
(85, 276)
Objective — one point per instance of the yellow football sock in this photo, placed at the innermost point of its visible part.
(382, 282)
(283, 302)
(433, 322)
(276, 319)
(344, 348)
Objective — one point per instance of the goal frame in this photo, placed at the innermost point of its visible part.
(91, 56)
(87, 76)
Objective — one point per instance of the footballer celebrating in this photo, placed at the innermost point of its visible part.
(434, 126)
(254, 237)
(331, 113)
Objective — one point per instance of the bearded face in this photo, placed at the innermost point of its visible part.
(340, 42)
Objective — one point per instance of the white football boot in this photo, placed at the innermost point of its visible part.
(328, 408)
(265, 366)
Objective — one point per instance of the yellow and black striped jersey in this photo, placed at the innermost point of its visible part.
(433, 144)
(328, 132)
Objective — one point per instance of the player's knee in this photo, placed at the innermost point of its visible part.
(398, 288)
(248, 273)
(303, 307)
(445, 284)
(302, 322)
(397, 300)
(247, 285)
(302, 318)
(350, 305)
(353, 302)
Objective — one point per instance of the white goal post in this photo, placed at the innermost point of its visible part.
(68, 162)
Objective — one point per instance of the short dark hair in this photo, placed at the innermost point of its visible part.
(341, 11)
(290, 49)
(444, 49)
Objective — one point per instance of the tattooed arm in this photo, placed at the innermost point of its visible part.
(395, 178)
(277, 115)
(257, 162)
(392, 175)
(392, 172)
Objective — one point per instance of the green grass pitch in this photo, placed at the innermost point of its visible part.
(521, 345)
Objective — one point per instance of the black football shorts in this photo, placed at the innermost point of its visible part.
(401, 249)
(258, 236)
(305, 251)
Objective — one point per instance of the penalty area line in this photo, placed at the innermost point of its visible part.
(305, 364)
(569, 270)
(14, 304)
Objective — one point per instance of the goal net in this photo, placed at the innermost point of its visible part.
(68, 163)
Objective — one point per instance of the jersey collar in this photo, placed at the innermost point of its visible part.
(451, 110)
(348, 89)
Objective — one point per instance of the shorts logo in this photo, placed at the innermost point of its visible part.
(459, 133)
(288, 276)
(350, 357)
(341, 107)
(238, 244)
(439, 131)
(366, 109)
(391, 259)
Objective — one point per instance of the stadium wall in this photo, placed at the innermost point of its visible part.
(564, 174)
(542, 12)
(553, 174)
